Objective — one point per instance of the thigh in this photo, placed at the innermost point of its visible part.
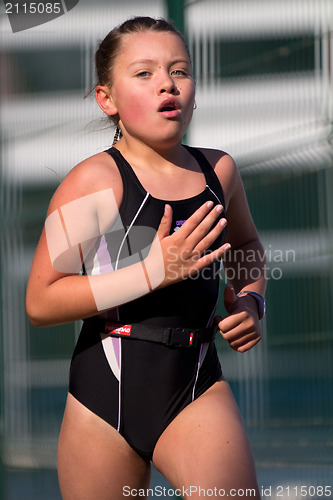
(206, 447)
(94, 460)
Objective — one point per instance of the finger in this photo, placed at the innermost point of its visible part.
(209, 258)
(242, 334)
(228, 324)
(235, 335)
(240, 338)
(192, 222)
(247, 346)
(207, 230)
(212, 236)
(239, 330)
(165, 223)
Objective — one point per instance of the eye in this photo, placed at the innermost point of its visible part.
(179, 72)
(143, 74)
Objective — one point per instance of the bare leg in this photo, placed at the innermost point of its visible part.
(94, 460)
(206, 446)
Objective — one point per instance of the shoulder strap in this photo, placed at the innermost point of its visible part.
(211, 177)
(128, 175)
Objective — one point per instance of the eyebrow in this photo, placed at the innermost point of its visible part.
(150, 61)
(141, 61)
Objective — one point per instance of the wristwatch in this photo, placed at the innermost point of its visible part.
(261, 302)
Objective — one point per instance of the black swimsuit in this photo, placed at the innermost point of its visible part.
(138, 386)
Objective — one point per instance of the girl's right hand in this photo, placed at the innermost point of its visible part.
(179, 255)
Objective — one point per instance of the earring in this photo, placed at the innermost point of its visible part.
(195, 105)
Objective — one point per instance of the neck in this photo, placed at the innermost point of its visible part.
(141, 153)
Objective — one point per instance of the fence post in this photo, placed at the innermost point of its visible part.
(176, 13)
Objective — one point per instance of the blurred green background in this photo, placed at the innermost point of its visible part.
(264, 73)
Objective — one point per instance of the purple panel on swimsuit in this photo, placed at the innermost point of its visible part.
(103, 256)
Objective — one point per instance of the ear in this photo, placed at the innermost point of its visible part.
(104, 100)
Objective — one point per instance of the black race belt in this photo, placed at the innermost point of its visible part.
(177, 337)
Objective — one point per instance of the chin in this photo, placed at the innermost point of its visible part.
(167, 142)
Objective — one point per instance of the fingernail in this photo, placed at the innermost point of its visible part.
(223, 222)
(209, 204)
(219, 208)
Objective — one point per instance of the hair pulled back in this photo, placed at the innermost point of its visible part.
(109, 48)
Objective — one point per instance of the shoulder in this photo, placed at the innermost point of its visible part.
(226, 170)
(94, 174)
(240, 228)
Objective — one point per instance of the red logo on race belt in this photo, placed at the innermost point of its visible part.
(117, 329)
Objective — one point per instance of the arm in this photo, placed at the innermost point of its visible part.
(244, 264)
(56, 293)
(55, 298)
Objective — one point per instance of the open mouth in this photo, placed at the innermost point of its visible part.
(169, 106)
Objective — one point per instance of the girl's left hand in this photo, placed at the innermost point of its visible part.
(242, 327)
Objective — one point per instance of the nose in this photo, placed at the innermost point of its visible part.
(167, 84)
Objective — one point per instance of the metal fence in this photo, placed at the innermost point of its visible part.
(264, 94)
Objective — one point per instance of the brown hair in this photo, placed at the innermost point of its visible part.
(109, 48)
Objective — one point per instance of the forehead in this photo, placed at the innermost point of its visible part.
(151, 45)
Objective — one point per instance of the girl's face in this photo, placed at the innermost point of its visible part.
(152, 88)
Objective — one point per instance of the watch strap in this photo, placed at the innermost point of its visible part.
(259, 299)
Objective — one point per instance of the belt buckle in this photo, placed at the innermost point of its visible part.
(183, 337)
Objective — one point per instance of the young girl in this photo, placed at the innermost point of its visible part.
(132, 244)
